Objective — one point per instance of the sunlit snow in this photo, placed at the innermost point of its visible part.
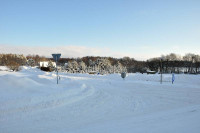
(32, 102)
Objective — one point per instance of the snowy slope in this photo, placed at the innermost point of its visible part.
(31, 101)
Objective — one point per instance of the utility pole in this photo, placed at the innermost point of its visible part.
(191, 68)
(161, 71)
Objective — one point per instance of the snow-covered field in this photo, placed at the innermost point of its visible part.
(32, 102)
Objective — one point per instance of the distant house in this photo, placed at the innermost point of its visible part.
(47, 64)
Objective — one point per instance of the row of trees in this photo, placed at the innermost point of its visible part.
(100, 65)
(171, 63)
(103, 64)
(189, 63)
(14, 61)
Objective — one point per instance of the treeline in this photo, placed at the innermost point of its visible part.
(14, 61)
(92, 64)
(171, 63)
(106, 64)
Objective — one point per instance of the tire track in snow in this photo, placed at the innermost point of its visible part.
(51, 101)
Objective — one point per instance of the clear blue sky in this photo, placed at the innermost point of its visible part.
(136, 27)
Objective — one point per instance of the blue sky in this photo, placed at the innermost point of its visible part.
(137, 28)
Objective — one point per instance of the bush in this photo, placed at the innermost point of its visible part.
(13, 65)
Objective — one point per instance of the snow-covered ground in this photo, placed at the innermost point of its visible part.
(32, 102)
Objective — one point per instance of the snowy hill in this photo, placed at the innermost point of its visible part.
(31, 101)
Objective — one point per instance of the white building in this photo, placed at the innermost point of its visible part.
(47, 63)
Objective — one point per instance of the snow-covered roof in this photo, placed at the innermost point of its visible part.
(46, 63)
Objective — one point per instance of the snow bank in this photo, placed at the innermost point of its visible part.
(3, 68)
